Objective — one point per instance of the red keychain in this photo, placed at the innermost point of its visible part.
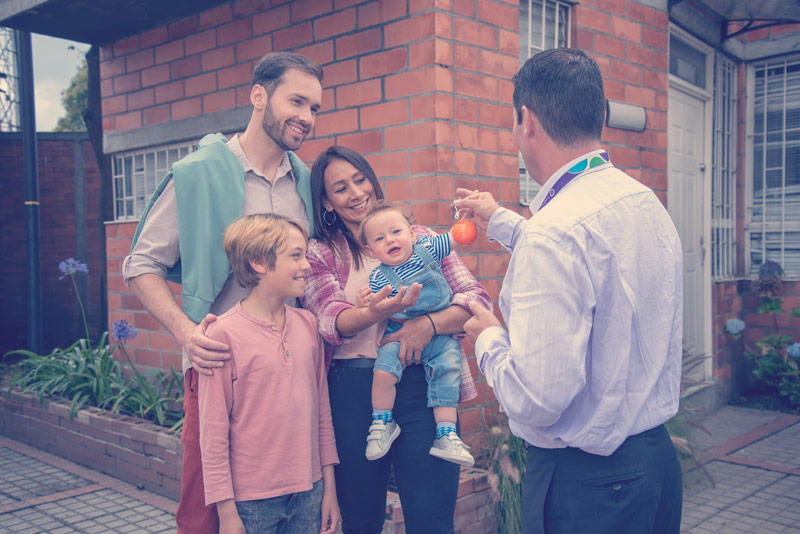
(464, 232)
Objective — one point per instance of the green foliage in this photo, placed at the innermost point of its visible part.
(75, 101)
(507, 459)
(88, 375)
(773, 363)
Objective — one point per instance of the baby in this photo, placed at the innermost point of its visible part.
(407, 258)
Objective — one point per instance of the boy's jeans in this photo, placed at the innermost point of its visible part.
(295, 513)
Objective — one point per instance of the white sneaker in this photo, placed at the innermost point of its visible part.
(450, 447)
(380, 438)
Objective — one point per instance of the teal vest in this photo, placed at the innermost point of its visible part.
(209, 192)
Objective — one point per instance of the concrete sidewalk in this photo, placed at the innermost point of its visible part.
(753, 457)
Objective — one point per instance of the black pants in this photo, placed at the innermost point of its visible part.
(635, 490)
(428, 486)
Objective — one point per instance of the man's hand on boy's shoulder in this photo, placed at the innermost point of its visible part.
(204, 353)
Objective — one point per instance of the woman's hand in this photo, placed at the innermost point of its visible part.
(382, 306)
(414, 335)
(363, 297)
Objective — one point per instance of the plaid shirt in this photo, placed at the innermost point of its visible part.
(324, 295)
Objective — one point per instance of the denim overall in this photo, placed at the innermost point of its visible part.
(441, 357)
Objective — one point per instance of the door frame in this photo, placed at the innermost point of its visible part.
(706, 97)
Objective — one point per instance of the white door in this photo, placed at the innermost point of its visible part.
(685, 204)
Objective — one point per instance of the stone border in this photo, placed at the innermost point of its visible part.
(133, 450)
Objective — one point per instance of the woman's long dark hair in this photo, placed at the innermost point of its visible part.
(327, 232)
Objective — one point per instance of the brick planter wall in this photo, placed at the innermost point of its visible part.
(147, 455)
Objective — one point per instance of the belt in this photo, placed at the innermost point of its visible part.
(354, 363)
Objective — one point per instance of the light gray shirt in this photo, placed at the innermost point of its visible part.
(593, 300)
(158, 246)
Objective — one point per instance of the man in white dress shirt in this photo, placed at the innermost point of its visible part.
(589, 368)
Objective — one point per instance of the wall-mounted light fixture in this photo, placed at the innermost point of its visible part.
(625, 116)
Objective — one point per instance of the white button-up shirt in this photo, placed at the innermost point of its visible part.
(593, 302)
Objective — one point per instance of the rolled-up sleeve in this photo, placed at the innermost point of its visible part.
(157, 249)
(324, 295)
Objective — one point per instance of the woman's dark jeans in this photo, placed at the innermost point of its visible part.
(428, 486)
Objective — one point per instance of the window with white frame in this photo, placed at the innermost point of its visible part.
(543, 24)
(723, 177)
(773, 228)
(136, 175)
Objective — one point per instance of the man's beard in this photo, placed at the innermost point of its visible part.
(275, 130)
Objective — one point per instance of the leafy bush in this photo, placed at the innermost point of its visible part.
(775, 356)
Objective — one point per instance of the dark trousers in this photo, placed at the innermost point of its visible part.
(635, 490)
(193, 516)
(428, 486)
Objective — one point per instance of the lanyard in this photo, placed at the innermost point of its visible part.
(583, 166)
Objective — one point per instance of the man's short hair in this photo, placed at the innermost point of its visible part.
(256, 238)
(563, 87)
(270, 70)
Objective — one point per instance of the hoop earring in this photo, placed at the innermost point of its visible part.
(325, 217)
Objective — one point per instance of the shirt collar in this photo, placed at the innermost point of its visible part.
(548, 185)
(284, 167)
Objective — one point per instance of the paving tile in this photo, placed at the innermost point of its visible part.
(25, 477)
(779, 449)
(88, 514)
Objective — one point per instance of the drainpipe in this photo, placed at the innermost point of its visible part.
(28, 123)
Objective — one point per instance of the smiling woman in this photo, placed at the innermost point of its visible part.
(343, 188)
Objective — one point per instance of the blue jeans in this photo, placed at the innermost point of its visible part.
(295, 513)
(441, 359)
(428, 486)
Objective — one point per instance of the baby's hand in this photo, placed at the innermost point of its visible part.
(363, 298)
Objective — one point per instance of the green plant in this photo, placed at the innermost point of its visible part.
(506, 461)
(88, 375)
(83, 373)
(775, 356)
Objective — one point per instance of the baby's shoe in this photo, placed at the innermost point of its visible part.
(450, 447)
(380, 438)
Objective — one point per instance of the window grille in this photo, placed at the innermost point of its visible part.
(9, 82)
(723, 176)
(543, 24)
(774, 224)
(136, 175)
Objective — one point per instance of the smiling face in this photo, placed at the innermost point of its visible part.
(389, 236)
(347, 192)
(288, 277)
(292, 109)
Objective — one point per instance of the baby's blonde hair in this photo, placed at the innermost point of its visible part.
(379, 207)
(256, 238)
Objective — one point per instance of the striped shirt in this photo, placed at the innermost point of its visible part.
(437, 245)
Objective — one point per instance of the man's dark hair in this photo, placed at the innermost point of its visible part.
(563, 88)
(270, 70)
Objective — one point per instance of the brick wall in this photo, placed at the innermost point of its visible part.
(61, 319)
(630, 41)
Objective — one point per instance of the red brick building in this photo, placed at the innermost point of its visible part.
(422, 88)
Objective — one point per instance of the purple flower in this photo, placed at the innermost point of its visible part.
(794, 350)
(70, 267)
(123, 331)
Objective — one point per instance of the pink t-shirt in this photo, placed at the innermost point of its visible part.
(265, 417)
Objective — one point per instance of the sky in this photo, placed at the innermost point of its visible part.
(54, 65)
